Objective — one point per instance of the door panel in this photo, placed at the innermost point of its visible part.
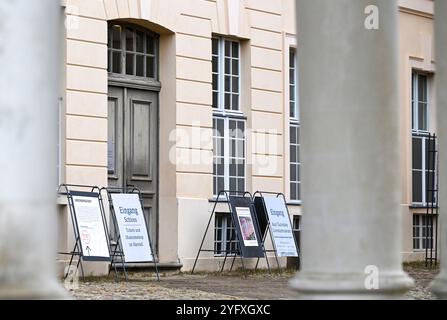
(133, 142)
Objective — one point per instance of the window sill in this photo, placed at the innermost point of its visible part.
(294, 203)
(421, 206)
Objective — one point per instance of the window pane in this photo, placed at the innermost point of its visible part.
(235, 86)
(235, 102)
(140, 66)
(116, 58)
(417, 186)
(233, 184)
(235, 50)
(241, 185)
(292, 76)
(129, 40)
(292, 58)
(150, 45)
(227, 84)
(150, 67)
(116, 30)
(417, 153)
(233, 169)
(293, 191)
(140, 41)
(227, 101)
(215, 100)
(422, 88)
(215, 65)
(422, 116)
(129, 64)
(293, 152)
(235, 67)
(215, 44)
(227, 66)
(227, 48)
(292, 93)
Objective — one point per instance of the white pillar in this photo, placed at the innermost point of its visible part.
(440, 284)
(351, 245)
(29, 55)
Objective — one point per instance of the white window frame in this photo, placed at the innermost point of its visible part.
(228, 115)
(227, 151)
(221, 77)
(226, 224)
(415, 101)
(424, 170)
(418, 231)
(296, 117)
(294, 122)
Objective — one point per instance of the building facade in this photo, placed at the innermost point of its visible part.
(187, 98)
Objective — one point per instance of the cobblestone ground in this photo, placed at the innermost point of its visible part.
(261, 286)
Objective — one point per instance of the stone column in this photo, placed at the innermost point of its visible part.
(440, 284)
(351, 239)
(29, 55)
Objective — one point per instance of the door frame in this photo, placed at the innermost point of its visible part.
(153, 86)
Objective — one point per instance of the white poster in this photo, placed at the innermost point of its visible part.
(247, 227)
(91, 228)
(132, 228)
(280, 227)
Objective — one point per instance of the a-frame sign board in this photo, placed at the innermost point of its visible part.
(132, 241)
(274, 218)
(247, 234)
(89, 225)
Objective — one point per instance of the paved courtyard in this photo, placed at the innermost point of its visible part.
(259, 286)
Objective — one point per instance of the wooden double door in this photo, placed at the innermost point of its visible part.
(133, 132)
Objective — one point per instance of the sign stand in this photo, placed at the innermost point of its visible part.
(226, 194)
(94, 193)
(118, 256)
(268, 227)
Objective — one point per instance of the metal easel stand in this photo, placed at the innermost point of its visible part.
(120, 252)
(269, 229)
(64, 190)
(236, 252)
(116, 251)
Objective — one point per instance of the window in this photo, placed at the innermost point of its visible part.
(293, 84)
(296, 223)
(422, 228)
(225, 240)
(132, 51)
(229, 154)
(226, 74)
(228, 122)
(423, 170)
(295, 161)
(420, 102)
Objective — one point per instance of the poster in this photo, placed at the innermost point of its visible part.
(132, 228)
(90, 224)
(280, 227)
(247, 227)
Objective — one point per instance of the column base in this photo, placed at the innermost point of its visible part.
(439, 286)
(38, 291)
(318, 286)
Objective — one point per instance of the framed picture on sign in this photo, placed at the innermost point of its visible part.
(90, 226)
(247, 228)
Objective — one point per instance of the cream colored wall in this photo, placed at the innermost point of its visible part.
(416, 52)
(266, 29)
(186, 28)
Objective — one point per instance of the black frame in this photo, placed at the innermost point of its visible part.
(238, 251)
